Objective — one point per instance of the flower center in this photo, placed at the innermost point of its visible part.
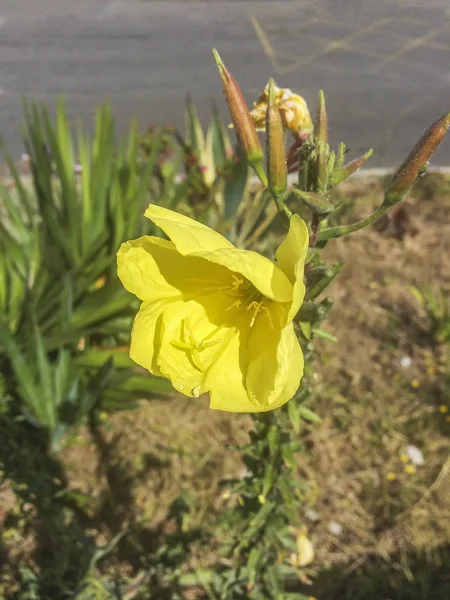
(194, 347)
(246, 297)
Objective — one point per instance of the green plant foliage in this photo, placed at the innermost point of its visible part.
(64, 316)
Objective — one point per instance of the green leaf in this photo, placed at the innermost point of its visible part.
(95, 357)
(194, 130)
(220, 141)
(255, 557)
(307, 414)
(235, 185)
(294, 416)
(324, 281)
(305, 328)
(324, 335)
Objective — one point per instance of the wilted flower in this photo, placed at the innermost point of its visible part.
(305, 551)
(293, 110)
(215, 318)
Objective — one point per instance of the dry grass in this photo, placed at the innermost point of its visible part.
(372, 409)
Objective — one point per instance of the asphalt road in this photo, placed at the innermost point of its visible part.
(384, 64)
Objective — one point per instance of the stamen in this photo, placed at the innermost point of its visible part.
(236, 304)
(266, 311)
(258, 306)
(237, 282)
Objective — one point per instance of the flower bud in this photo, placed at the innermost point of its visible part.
(321, 122)
(340, 156)
(240, 115)
(417, 161)
(317, 203)
(320, 140)
(351, 167)
(276, 157)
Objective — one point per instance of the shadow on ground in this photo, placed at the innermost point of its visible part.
(63, 535)
(424, 576)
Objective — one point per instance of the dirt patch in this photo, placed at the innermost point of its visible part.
(380, 390)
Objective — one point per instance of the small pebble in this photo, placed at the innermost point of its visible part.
(415, 455)
(311, 515)
(406, 362)
(334, 528)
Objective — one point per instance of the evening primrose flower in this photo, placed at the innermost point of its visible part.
(293, 110)
(215, 318)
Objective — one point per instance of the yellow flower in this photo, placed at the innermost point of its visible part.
(391, 476)
(293, 110)
(410, 469)
(215, 318)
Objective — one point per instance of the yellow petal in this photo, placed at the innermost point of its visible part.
(194, 239)
(145, 335)
(188, 235)
(153, 269)
(266, 277)
(139, 265)
(192, 337)
(242, 381)
(291, 256)
(225, 379)
(275, 367)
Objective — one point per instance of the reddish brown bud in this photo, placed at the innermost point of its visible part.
(417, 160)
(240, 115)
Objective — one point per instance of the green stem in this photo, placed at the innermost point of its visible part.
(282, 208)
(335, 232)
(260, 173)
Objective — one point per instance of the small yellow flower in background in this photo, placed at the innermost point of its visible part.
(410, 469)
(293, 110)
(391, 476)
(404, 458)
(415, 383)
(215, 318)
(100, 282)
(443, 409)
(261, 499)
